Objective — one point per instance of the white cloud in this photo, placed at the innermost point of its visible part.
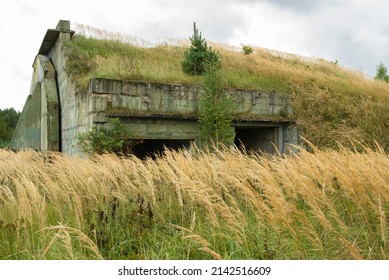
(351, 32)
(273, 28)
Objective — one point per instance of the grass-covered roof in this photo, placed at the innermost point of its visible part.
(331, 103)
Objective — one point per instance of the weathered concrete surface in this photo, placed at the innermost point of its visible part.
(114, 97)
(27, 133)
(76, 106)
(38, 126)
(157, 128)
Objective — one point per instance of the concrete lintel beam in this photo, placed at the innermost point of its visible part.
(52, 36)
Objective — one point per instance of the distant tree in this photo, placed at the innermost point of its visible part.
(3, 133)
(8, 120)
(198, 55)
(382, 73)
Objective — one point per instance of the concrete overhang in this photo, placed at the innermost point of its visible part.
(52, 36)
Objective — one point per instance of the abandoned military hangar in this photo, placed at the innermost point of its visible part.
(162, 115)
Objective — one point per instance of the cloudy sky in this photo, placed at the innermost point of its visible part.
(354, 32)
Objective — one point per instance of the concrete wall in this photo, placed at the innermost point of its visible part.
(167, 111)
(76, 113)
(38, 125)
(126, 98)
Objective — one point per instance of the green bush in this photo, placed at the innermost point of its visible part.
(198, 55)
(246, 49)
(382, 73)
(215, 110)
(103, 140)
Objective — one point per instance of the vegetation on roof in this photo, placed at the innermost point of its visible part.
(331, 104)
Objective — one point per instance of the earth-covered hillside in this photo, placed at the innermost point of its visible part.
(331, 104)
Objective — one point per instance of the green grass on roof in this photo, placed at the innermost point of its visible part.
(116, 60)
(331, 104)
(264, 69)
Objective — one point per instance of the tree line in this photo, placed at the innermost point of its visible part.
(8, 120)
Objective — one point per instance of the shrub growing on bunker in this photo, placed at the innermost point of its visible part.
(103, 140)
(215, 110)
(198, 55)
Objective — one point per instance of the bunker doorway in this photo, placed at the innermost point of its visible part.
(257, 139)
(155, 147)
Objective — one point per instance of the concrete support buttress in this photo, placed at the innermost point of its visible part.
(38, 126)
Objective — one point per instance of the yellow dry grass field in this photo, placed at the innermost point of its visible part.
(322, 204)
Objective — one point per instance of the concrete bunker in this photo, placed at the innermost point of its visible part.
(156, 147)
(265, 138)
(248, 138)
(153, 134)
(162, 115)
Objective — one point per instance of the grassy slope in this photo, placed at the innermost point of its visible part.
(331, 104)
(322, 205)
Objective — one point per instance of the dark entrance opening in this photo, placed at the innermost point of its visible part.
(257, 139)
(155, 147)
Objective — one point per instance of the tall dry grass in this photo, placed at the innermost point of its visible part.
(225, 205)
